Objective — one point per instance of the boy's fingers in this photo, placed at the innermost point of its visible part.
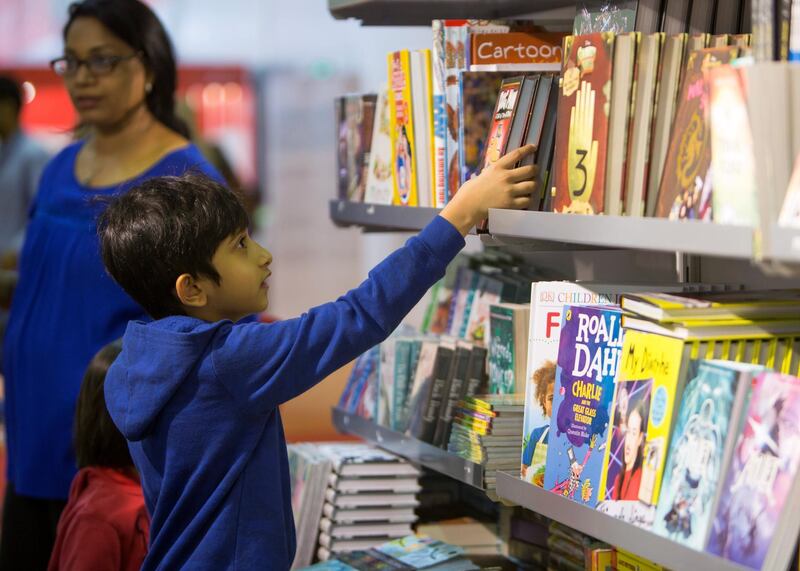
(523, 173)
(512, 158)
(525, 188)
(522, 202)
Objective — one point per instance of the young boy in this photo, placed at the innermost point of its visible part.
(196, 394)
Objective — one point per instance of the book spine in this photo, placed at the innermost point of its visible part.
(404, 172)
(401, 376)
(459, 378)
(794, 32)
(455, 61)
(439, 114)
(444, 362)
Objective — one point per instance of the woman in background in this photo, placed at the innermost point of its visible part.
(119, 69)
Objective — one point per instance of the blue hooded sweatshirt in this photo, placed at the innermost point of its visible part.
(198, 403)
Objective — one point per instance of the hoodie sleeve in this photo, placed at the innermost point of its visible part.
(264, 365)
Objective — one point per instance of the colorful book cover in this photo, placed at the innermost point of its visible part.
(455, 35)
(439, 62)
(763, 468)
(488, 292)
(401, 384)
(694, 468)
(366, 406)
(380, 188)
(502, 118)
(582, 133)
(386, 378)
(355, 118)
(420, 388)
(478, 95)
(686, 184)
(547, 303)
(641, 422)
(732, 154)
(404, 171)
(588, 356)
(466, 283)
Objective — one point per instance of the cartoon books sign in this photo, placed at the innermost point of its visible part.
(588, 356)
(582, 133)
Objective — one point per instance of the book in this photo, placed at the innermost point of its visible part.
(365, 514)
(647, 388)
(379, 187)
(545, 152)
(705, 431)
(455, 392)
(401, 380)
(732, 154)
(724, 306)
(760, 483)
(685, 191)
(478, 96)
(401, 118)
(638, 154)
(533, 133)
(676, 17)
(421, 388)
(363, 529)
(516, 51)
(519, 127)
(701, 17)
(386, 379)
(582, 133)
(502, 120)
(668, 84)
(421, 85)
(355, 485)
(439, 84)
(364, 460)
(455, 36)
(508, 347)
(589, 351)
(465, 285)
(476, 324)
(308, 471)
(625, 46)
(355, 118)
(548, 300)
(371, 500)
(439, 384)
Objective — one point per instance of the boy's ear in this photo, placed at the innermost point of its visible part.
(190, 291)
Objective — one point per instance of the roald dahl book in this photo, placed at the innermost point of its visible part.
(588, 356)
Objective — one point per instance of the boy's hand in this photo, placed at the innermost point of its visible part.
(499, 185)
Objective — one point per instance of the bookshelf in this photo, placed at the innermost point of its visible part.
(421, 12)
(414, 450)
(606, 528)
(379, 217)
(625, 232)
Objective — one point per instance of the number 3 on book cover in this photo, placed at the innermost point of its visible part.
(588, 355)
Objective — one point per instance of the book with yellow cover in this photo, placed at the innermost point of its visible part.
(401, 117)
(645, 398)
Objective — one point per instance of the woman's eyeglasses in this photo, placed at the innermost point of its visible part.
(96, 64)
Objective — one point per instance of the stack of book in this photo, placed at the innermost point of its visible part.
(407, 553)
(370, 498)
(309, 469)
(486, 430)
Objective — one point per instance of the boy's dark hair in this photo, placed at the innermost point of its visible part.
(10, 91)
(136, 24)
(165, 227)
(98, 442)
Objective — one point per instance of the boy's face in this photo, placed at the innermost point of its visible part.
(243, 267)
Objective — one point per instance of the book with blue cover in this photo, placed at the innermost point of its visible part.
(702, 442)
(588, 356)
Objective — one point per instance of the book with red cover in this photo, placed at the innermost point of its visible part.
(582, 133)
(502, 119)
(685, 191)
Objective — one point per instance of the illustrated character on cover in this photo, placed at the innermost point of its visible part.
(628, 480)
(534, 455)
(697, 457)
(403, 164)
(573, 483)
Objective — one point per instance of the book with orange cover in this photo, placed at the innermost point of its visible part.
(582, 133)
(685, 191)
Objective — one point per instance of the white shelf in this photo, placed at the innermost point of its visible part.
(623, 232)
(411, 449)
(606, 528)
(784, 245)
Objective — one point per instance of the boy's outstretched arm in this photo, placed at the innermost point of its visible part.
(265, 365)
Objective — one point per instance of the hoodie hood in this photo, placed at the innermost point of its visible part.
(156, 358)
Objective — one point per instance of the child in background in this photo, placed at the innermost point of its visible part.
(196, 393)
(104, 526)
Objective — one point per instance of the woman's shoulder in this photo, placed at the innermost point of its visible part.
(63, 162)
(184, 159)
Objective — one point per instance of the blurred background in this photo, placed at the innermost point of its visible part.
(257, 80)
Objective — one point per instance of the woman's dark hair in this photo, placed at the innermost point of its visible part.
(98, 442)
(135, 24)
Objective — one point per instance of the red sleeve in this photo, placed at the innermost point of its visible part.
(90, 545)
